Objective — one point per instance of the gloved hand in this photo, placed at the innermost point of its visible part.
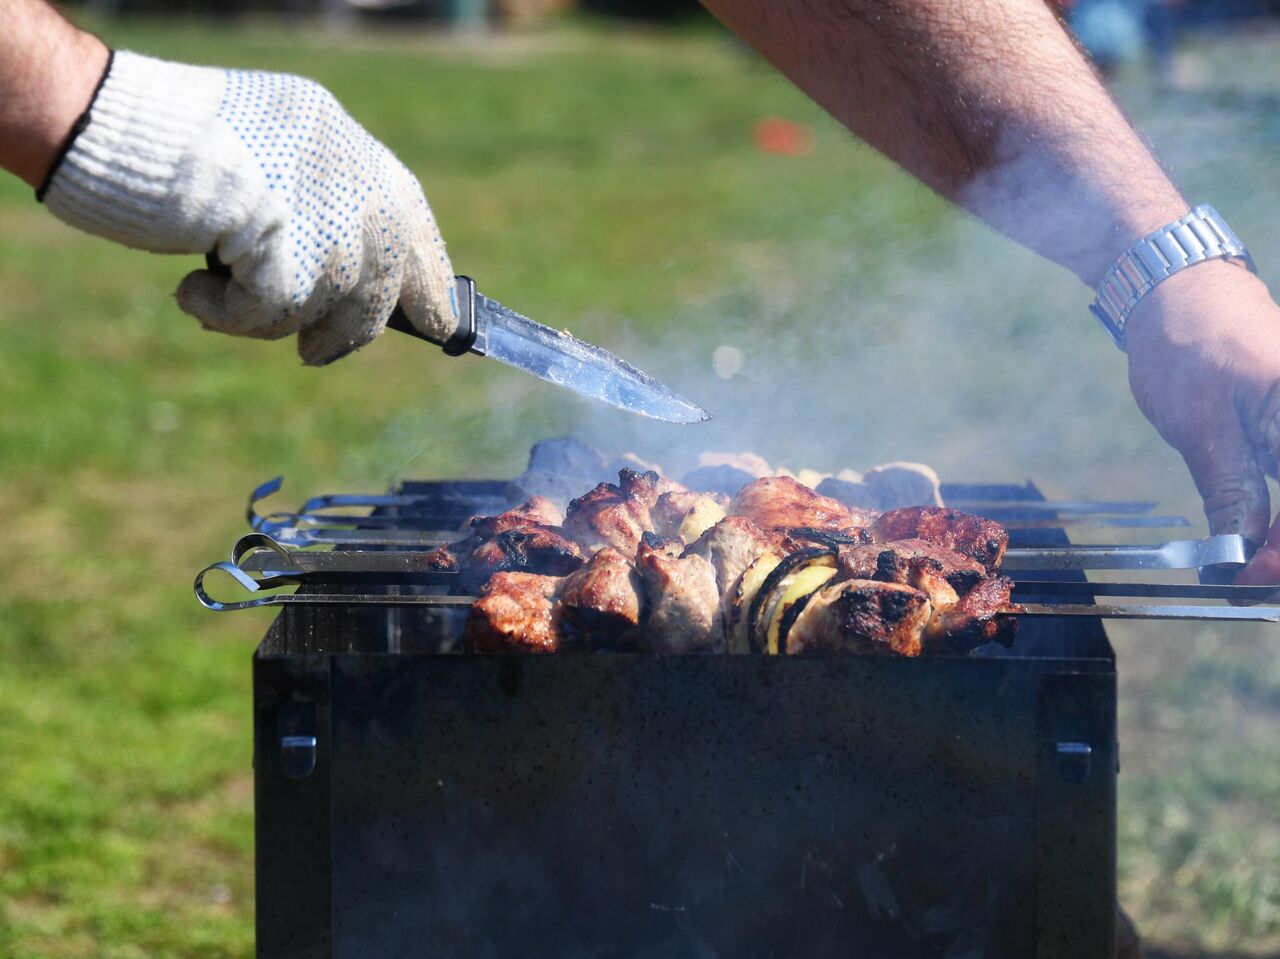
(1204, 365)
(322, 227)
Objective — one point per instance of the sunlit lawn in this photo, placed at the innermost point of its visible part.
(606, 182)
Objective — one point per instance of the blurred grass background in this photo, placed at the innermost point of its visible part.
(604, 180)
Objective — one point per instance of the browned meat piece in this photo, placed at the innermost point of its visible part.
(602, 600)
(779, 501)
(536, 510)
(861, 616)
(730, 546)
(445, 558)
(612, 515)
(975, 619)
(515, 613)
(974, 536)
(533, 549)
(686, 516)
(891, 562)
(803, 537)
(682, 597)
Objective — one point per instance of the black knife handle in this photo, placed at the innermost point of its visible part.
(463, 338)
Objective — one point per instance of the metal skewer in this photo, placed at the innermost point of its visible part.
(1177, 554)
(1249, 614)
(1241, 594)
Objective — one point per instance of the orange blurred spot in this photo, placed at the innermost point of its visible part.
(781, 136)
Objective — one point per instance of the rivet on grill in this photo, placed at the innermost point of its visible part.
(1075, 761)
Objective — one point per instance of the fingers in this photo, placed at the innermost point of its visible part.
(428, 292)
(1228, 476)
(349, 324)
(221, 304)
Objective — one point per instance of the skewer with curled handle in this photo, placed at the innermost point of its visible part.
(259, 563)
(313, 525)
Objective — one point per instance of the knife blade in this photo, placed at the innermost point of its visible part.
(487, 328)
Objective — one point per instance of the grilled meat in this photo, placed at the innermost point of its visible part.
(446, 558)
(536, 510)
(775, 502)
(890, 562)
(682, 598)
(730, 546)
(515, 613)
(534, 549)
(686, 516)
(981, 539)
(806, 537)
(860, 616)
(974, 620)
(603, 599)
(646, 563)
(615, 515)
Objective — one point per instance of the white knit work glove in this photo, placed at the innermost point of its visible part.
(322, 227)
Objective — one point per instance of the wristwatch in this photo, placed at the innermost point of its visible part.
(1199, 236)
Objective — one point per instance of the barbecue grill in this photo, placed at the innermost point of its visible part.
(410, 801)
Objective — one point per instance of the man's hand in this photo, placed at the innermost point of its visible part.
(993, 105)
(323, 229)
(1204, 366)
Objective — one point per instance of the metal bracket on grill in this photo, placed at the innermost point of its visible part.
(312, 524)
(260, 563)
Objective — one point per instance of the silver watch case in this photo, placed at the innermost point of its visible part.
(1199, 236)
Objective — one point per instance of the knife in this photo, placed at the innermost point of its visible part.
(487, 328)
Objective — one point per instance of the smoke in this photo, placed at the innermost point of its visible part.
(891, 326)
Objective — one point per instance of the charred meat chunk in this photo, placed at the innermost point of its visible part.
(978, 618)
(515, 613)
(890, 563)
(615, 515)
(860, 616)
(974, 536)
(446, 558)
(532, 549)
(603, 599)
(775, 502)
(806, 537)
(730, 546)
(682, 598)
(535, 511)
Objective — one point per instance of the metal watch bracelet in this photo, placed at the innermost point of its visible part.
(1199, 236)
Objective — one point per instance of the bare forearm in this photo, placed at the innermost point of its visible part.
(48, 72)
(987, 101)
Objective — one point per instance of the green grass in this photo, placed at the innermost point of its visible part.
(607, 182)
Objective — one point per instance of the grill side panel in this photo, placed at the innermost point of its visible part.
(684, 806)
(292, 808)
